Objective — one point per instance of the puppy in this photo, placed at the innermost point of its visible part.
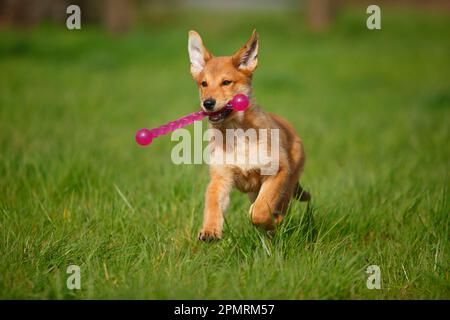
(218, 80)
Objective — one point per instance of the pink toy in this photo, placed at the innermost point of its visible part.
(144, 136)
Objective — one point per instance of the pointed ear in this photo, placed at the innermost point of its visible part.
(198, 54)
(246, 59)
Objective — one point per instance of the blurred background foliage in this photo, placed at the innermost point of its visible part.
(119, 16)
(372, 107)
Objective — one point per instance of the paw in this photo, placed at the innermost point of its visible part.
(208, 235)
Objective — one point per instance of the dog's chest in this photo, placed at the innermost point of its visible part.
(244, 154)
(241, 159)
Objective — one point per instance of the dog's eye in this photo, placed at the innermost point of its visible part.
(226, 82)
(204, 84)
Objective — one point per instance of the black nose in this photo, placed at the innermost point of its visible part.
(209, 104)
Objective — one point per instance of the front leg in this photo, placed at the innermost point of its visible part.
(265, 211)
(217, 200)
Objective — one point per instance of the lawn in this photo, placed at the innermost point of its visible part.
(373, 110)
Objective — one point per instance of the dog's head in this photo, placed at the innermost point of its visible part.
(220, 78)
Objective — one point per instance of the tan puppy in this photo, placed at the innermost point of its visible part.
(219, 79)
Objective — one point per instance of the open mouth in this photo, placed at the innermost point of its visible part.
(219, 116)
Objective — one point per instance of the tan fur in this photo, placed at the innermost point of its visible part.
(269, 194)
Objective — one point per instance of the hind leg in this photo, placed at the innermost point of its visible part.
(293, 188)
(297, 155)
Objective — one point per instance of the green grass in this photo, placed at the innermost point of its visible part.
(373, 110)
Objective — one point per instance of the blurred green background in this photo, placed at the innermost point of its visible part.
(372, 107)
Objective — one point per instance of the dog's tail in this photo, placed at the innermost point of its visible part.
(301, 194)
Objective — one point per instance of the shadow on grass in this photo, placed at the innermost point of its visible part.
(296, 232)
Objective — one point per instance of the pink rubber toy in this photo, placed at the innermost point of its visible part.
(144, 136)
